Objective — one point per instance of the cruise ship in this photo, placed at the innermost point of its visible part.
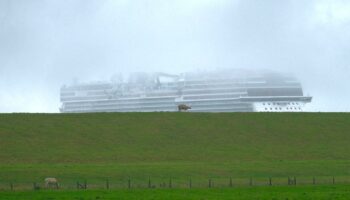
(203, 91)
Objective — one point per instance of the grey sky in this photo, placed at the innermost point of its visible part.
(46, 43)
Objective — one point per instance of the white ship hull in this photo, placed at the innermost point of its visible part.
(204, 92)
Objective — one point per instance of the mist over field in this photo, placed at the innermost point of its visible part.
(47, 43)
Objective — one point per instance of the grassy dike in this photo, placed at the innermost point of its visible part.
(118, 146)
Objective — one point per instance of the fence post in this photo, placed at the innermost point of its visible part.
(251, 181)
(231, 182)
(107, 184)
(288, 180)
(209, 184)
(190, 183)
(11, 186)
(314, 181)
(295, 180)
(149, 182)
(170, 183)
(270, 181)
(85, 184)
(78, 185)
(129, 183)
(34, 186)
(333, 180)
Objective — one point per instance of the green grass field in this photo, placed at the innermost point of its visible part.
(116, 146)
(340, 192)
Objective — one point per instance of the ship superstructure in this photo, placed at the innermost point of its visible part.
(213, 91)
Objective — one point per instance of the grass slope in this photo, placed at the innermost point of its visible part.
(160, 145)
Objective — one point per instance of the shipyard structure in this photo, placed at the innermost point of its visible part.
(205, 91)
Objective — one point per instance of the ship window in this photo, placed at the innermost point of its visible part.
(265, 108)
(280, 108)
(274, 92)
(270, 108)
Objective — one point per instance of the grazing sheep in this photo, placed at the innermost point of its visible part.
(183, 107)
(51, 183)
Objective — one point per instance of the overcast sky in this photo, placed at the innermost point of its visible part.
(47, 43)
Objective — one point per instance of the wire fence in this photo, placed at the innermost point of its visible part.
(150, 183)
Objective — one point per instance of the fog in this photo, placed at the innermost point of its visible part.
(47, 43)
